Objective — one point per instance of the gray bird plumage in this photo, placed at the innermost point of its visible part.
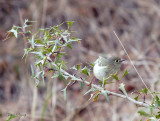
(105, 68)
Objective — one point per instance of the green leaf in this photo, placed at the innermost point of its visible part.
(136, 98)
(103, 82)
(143, 113)
(106, 82)
(39, 41)
(70, 24)
(65, 89)
(11, 116)
(145, 90)
(44, 61)
(158, 115)
(69, 46)
(37, 75)
(60, 55)
(62, 78)
(78, 66)
(86, 71)
(38, 53)
(62, 64)
(39, 62)
(14, 30)
(96, 97)
(115, 77)
(123, 89)
(74, 67)
(25, 23)
(157, 101)
(125, 73)
(105, 94)
(74, 39)
(26, 51)
(92, 64)
(56, 27)
(154, 93)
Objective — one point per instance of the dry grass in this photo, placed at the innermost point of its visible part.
(135, 21)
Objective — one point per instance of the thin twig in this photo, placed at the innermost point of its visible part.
(132, 63)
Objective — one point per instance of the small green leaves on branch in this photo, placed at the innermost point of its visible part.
(104, 92)
(76, 67)
(47, 46)
(70, 24)
(125, 73)
(65, 90)
(144, 91)
(116, 77)
(86, 71)
(123, 89)
(12, 116)
(14, 30)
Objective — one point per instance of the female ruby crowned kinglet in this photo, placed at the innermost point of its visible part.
(105, 68)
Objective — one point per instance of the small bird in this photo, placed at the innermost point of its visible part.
(105, 68)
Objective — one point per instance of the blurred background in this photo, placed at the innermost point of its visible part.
(137, 24)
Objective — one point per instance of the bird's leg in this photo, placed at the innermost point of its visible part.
(117, 83)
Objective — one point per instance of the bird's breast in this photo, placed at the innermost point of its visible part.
(100, 72)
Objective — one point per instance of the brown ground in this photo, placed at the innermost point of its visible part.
(137, 23)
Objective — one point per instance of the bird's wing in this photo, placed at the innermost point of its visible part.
(105, 67)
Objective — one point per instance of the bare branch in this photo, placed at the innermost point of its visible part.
(132, 62)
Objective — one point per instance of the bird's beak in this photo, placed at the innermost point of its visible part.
(122, 60)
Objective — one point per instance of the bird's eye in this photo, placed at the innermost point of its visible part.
(117, 61)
